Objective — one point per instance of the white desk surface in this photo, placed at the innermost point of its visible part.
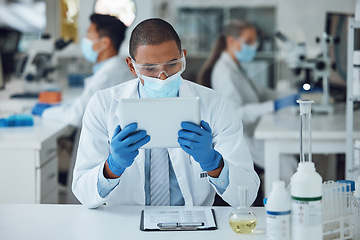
(285, 124)
(281, 135)
(35, 136)
(37, 222)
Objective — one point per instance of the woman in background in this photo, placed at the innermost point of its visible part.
(223, 72)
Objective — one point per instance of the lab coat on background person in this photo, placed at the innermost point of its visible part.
(114, 71)
(226, 75)
(100, 121)
(101, 47)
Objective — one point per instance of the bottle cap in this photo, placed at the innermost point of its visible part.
(305, 106)
(352, 185)
(356, 57)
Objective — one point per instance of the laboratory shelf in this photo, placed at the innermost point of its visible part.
(351, 171)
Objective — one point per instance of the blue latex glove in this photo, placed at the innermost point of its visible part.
(125, 146)
(286, 101)
(197, 141)
(39, 108)
(18, 120)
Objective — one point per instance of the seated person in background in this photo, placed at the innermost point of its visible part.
(224, 73)
(101, 46)
(110, 168)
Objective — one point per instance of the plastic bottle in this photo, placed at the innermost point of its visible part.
(354, 206)
(306, 195)
(278, 207)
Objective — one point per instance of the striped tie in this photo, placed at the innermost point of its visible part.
(159, 177)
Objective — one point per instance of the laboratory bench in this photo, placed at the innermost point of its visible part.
(28, 155)
(53, 221)
(281, 135)
(29, 163)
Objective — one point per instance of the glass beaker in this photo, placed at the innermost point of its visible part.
(242, 219)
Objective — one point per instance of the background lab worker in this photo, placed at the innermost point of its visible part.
(223, 72)
(101, 46)
(110, 168)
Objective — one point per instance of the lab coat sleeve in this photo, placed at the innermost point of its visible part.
(230, 86)
(93, 150)
(105, 186)
(70, 112)
(222, 181)
(249, 112)
(229, 142)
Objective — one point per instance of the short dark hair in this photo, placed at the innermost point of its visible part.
(111, 27)
(153, 31)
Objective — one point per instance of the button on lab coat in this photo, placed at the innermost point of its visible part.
(113, 72)
(100, 121)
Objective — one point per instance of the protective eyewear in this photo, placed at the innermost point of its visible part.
(155, 70)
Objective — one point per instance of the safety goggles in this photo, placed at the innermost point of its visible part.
(154, 70)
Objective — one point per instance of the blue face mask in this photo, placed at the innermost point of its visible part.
(157, 88)
(246, 54)
(86, 48)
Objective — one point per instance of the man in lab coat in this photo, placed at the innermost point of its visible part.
(212, 157)
(101, 47)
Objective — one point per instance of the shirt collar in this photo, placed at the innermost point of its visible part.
(99, 65)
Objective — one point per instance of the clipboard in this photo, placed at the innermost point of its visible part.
(208, 224)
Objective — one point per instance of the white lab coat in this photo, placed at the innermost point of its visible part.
(227, 79)
(113, 72)
(100, 121)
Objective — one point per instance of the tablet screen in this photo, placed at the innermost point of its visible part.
(160, 117)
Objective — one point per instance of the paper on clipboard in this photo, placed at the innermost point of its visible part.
(178, 218)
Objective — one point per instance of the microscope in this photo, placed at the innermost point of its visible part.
(317, 69)
(37, 67)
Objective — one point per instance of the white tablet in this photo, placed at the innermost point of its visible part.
(160, 117)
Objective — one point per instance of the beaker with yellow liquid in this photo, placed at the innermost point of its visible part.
(242, 219)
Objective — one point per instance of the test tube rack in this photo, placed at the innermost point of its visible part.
(339, 228)
(338, 220)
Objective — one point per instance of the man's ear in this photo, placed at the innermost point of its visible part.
(105, 42)
(131, 66)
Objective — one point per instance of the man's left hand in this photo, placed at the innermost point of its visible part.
(197, 141)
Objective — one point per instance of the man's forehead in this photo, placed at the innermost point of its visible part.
(160, 53)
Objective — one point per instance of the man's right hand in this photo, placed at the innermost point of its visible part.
(125, 145)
